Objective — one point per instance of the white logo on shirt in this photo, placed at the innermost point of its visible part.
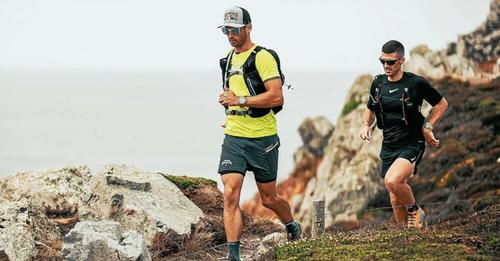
(391, 91)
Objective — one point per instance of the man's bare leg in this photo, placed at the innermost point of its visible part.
(271, 200)
(399, 191)
(233, 223)
(280, 206)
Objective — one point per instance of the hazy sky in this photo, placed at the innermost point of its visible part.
(150, 34)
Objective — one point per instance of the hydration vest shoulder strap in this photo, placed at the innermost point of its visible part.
(378, 88)
(249, 64)
(225, 71)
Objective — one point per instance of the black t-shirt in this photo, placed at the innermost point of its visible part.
(396, 132)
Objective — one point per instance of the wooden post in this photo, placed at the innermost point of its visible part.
(318, 218)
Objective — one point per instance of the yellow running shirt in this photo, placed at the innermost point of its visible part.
(244, 125)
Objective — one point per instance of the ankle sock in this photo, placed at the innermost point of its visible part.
(413, 208)
(234, 250)
(292, 226)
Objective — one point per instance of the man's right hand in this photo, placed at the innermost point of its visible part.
(429, 137)
(366, 133)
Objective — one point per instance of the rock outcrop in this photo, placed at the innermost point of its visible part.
(333, 164)
(146, 202)
(38, 208)
(475, 57)
(315, 133)
(348, 176)
(120, 213)
(482, 46)
(103, 240)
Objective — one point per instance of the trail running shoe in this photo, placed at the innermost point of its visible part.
(293, 231)
(416, 217)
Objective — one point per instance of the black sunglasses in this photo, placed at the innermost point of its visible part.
(233, 30)
(389, 62)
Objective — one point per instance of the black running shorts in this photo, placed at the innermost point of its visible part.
(259, 155)
(412, 152)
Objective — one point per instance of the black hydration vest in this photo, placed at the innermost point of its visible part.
(410, 103)
(252, 78)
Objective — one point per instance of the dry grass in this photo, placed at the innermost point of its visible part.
(49, 250)
(208, 238)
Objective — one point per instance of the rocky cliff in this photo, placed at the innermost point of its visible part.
(144, 206)
(315, 133)
(466, 72)
(474, 57)
(119, 213)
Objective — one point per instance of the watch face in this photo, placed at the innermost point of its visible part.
(242, 100)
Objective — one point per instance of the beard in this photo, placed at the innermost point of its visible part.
(237, 42)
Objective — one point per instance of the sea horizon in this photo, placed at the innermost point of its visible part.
(158, 121)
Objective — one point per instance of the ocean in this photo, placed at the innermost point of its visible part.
(158, 121)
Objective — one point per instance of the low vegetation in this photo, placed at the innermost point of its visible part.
(350, 106)
(185, 182)
(474, 237)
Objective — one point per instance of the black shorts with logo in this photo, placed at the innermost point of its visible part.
(412, 152)
(259, 155)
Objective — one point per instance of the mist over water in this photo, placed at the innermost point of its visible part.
(158, 121)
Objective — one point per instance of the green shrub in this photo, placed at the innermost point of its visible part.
(486, 102)
(492, 246)
(184, 182)
(350, 106)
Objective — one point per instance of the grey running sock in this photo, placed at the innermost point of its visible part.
(234, 250)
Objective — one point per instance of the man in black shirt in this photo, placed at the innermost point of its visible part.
(395, 101)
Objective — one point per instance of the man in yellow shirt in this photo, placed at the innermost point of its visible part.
(252, 94)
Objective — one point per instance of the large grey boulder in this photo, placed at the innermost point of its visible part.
(59, 188)
(23, 228)
(141, 201)
(103, 240)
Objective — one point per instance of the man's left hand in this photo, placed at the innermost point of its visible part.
(227, 98)
(429, 137)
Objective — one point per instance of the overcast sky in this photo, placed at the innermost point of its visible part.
(148, 34)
